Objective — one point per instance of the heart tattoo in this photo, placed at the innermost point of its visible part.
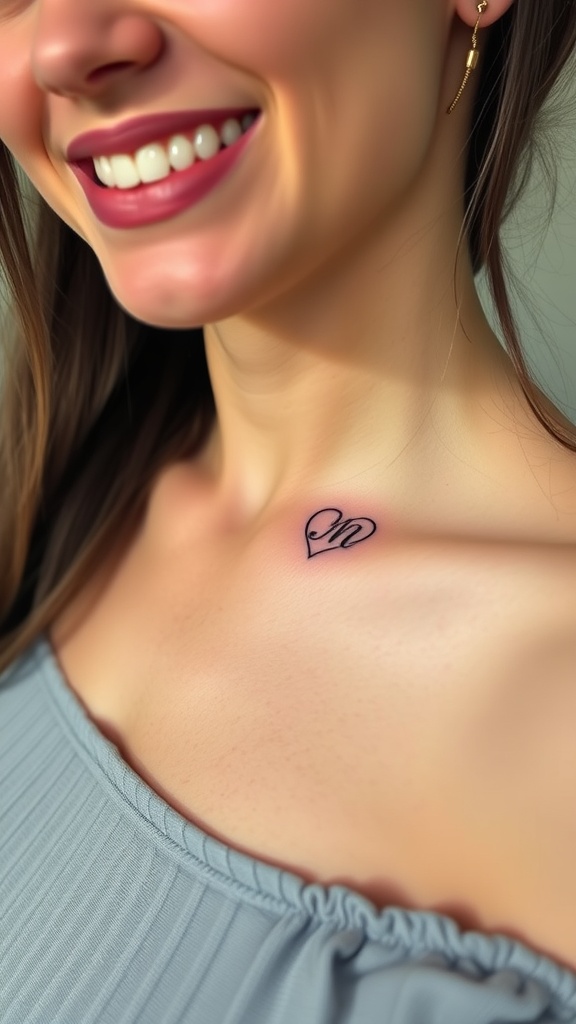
(326, 531)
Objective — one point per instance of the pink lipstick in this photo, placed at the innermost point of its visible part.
(151, 203)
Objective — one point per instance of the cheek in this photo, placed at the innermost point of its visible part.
(361, 116)
(352, 80)
(21, 120)
(17, 117)
(266, 38)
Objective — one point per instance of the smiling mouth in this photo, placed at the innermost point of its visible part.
(130, 189)
(159, 160)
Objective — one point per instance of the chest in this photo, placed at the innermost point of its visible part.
(410, 734)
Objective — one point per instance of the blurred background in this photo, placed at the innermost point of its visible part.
(542, 254)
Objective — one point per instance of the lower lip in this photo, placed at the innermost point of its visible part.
(160, 200)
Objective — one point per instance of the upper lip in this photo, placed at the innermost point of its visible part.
(136, 132)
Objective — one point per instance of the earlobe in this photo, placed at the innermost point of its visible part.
(467, 11)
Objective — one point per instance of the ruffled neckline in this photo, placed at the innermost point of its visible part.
(417, 933)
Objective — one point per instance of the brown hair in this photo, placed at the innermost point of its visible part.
(94, 403)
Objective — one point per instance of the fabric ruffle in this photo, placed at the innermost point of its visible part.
(270, 948)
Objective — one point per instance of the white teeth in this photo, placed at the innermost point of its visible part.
(124, 171)
(230, 132)
(152, 163)
(155, 161)
(206, 142)
(181, 153)
(104, 171)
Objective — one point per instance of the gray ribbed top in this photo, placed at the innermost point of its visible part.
(115, 909)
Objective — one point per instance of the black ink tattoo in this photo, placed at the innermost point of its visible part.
(326, 531)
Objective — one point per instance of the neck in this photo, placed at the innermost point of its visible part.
(373, 375)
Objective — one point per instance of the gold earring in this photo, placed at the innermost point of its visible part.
(473, 56)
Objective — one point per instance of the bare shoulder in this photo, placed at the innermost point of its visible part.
(427, 700)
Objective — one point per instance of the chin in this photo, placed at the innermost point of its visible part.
(178, 303)
(174, 307)
(153, 317)
(169, 287)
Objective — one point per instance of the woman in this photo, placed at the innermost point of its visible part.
(288, 536)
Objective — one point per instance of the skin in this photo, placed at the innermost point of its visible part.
(334, 298)
(346, 375)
